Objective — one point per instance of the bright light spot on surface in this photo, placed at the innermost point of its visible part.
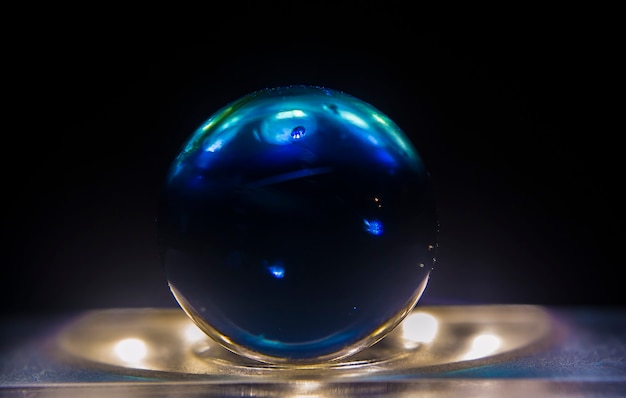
(306, 389)
(373, 227)
(130, 350)
(208, 125)
(290, 114)
(217, 141)
(277, 271)
(215, 118)
(193, 334)
(215, 146)
(483, 345)
(354, 119)
(380, 119)
(419, 327)
(231, 122)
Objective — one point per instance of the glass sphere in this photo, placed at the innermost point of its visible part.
(297, 225)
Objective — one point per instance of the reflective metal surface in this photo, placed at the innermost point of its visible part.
(439, 351)
(167, 344)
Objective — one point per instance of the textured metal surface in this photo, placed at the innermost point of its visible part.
(542, 352)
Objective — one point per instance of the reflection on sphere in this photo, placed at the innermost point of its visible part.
(297, 225)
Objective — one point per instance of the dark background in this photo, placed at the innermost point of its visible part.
(510, 118)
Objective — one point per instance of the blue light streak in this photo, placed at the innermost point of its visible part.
(373, 227)
(277, 271)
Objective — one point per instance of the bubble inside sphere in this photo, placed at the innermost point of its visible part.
(297, 225)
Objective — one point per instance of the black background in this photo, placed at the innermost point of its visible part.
(510, 118)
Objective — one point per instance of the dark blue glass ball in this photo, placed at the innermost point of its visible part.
(297, 225)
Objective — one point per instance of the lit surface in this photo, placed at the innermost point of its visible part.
(297, 225)
(428, 338)
(419, 327)
(544, 352)
(483, 345)
(130, 350)
(192, 334)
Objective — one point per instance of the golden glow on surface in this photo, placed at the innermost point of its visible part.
(130, 350)
(419, 327)
(165, 340)
(482, 346)
(193, 334)
(306, 388)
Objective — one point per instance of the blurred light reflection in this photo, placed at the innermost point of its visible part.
(193, 334)
(373, 227)
(307, 389)
(130, 350)
(419, 327)
(354, 119)
(482, 346)
(277, 271)
(290, 114)
(167, 341)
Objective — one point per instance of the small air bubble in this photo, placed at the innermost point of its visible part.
(298, 132)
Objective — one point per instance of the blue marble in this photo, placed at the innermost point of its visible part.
(297, 225)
